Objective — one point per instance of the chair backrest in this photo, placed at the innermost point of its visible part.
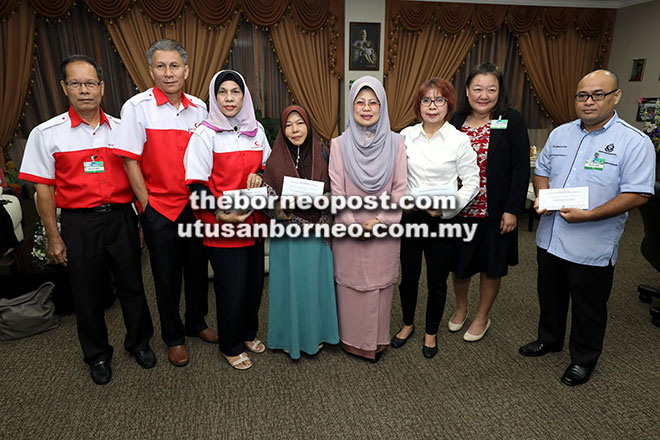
(651, 218)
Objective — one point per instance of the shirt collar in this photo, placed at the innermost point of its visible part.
(76, 120)
(161, 98)
(418, 130)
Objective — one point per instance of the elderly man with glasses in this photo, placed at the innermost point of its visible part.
(576, 248)
(70, 159)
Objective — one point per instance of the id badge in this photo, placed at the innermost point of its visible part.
(596, 163)
(499, 124)
(95, 166)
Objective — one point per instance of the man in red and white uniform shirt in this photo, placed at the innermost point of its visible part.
(152, 140)
(70, 159)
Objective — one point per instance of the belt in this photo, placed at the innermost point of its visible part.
(101, 209)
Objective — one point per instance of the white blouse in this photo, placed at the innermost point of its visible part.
(442, 160)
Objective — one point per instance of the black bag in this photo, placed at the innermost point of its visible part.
(28, 314)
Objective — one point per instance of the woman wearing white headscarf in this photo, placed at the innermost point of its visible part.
(227, 152)
(367, 159)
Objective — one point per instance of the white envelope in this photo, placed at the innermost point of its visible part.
(553, 199)
(293, 186)
(252, 192)
(434, 190)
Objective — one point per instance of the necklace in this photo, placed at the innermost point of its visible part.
(297, 156)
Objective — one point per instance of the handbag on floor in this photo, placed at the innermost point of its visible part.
(28, 314)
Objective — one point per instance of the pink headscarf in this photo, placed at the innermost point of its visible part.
(244, 122)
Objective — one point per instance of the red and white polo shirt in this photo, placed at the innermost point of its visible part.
(66, 152)
(222, 161)
(156, 133)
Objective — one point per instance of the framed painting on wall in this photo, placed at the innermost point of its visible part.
(637, 69)
(365, 46)
(647, 109)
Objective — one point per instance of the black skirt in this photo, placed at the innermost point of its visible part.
(489, 251)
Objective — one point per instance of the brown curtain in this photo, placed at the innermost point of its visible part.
(17, 36)
(546, 35)
(78, 33)
(306, 66)
(207, 48)
(252, 55)
(553, 73)
(421, 56)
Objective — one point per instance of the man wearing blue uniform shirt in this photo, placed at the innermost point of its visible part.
(577, 249)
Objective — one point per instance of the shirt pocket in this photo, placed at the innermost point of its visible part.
(608, 176)
(557, 163)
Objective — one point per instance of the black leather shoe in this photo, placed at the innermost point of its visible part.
(398, 342)
(145, 358)
(429, 352)
(576, 375)
(536, 348)
(101, 372)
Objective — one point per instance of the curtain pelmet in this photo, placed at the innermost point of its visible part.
(108, 9)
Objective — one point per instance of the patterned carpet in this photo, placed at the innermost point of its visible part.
(483, 390)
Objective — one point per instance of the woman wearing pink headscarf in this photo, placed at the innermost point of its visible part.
(227, 152)
(367, 159)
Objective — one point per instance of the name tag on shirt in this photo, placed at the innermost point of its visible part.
(95, 166)
(499, 124)
(597, 163)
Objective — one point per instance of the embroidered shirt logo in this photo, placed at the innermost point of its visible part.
(609, 148)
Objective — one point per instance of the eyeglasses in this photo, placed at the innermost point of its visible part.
(438, 101)
(599, 96)
(89, 84)
(361, 103)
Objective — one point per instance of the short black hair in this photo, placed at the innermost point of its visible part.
(503, 98)
(84, 58)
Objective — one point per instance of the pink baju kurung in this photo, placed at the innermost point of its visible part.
(365, 271)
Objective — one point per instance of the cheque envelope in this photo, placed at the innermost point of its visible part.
(434, 190)
(553, 199)
(293, 186)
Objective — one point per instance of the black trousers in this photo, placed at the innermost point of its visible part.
(589, 288)
(439, 254)
(96, 243)
(238, 282)
(173, 258)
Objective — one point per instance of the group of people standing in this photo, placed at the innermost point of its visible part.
(320, 291)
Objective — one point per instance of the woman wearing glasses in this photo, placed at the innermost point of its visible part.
(499, 136)
(438, 156)
(368, 159)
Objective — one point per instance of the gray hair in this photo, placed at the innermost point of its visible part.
(167, 45)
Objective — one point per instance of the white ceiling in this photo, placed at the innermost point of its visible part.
(613, 4)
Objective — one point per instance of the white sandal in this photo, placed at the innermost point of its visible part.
(254, 346)
(241, 359)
